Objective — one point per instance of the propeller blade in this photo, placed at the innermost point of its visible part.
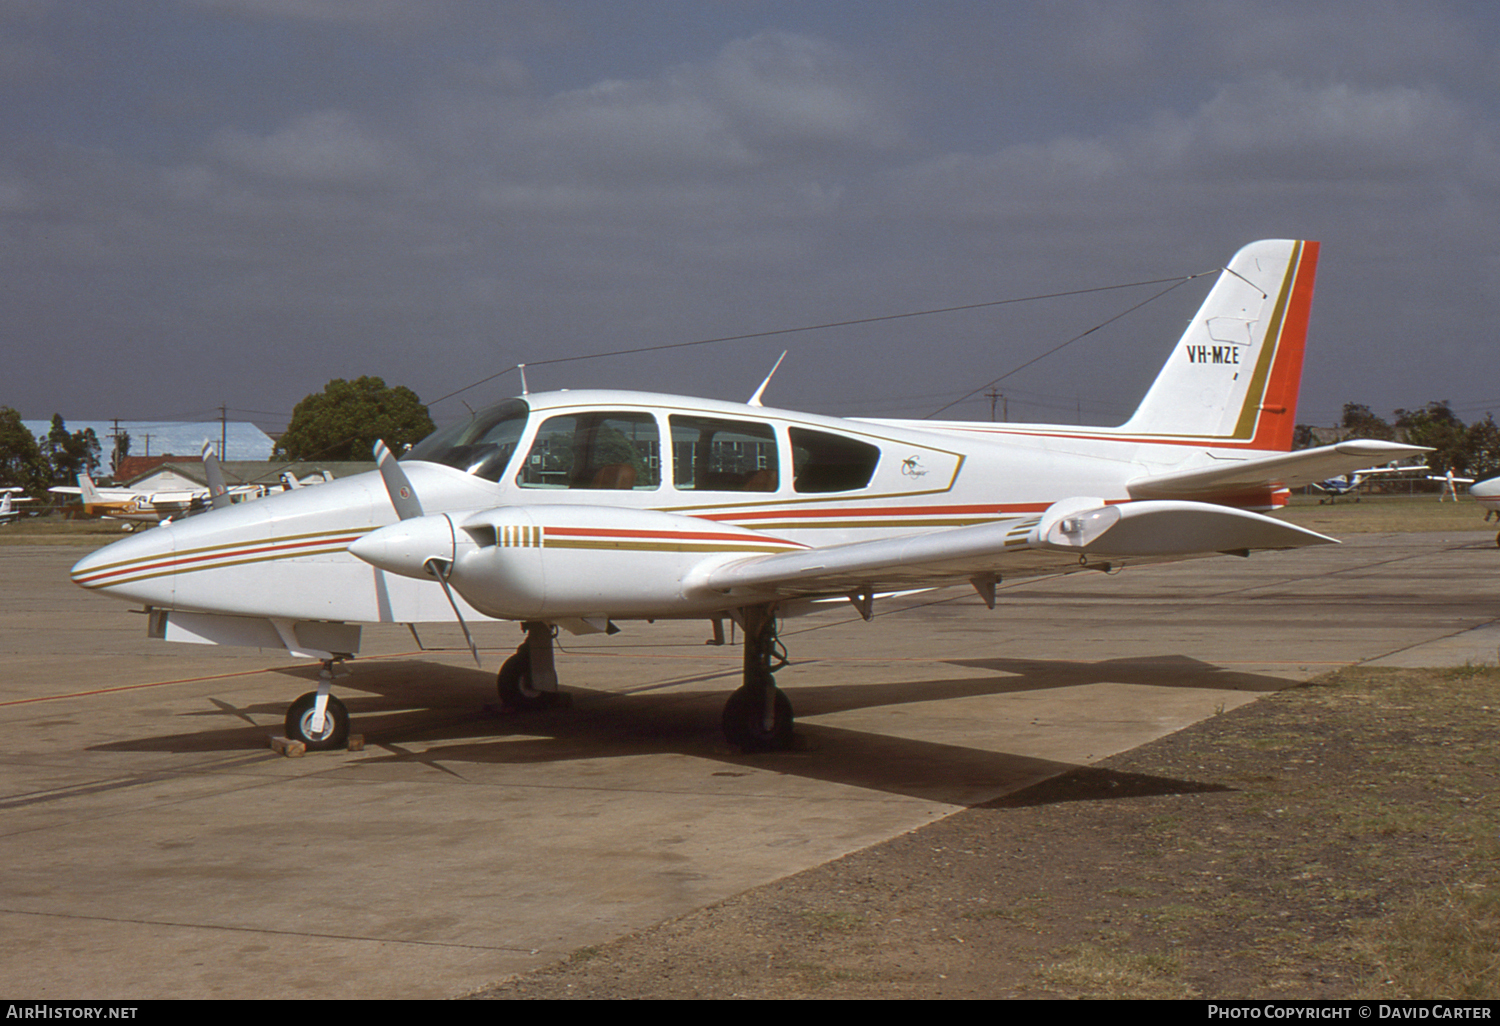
(217, 492)
(397, 485)
(440, 569)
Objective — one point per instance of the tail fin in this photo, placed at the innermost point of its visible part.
(1234, 375)
(89, 495)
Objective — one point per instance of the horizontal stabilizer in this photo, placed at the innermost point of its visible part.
(1167, 528)
(1221, 477)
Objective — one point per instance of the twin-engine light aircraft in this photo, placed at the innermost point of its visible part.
(577, 509)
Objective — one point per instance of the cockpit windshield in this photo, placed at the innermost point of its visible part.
(481, 445)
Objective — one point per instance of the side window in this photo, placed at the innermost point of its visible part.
(594, 450)
(830, 463)
(723, 455)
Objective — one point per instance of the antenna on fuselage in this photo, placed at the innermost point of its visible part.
(755, 399)
(524, 389)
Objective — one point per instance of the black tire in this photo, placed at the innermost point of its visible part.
(514, 683)
(335, 732)
(745, 721)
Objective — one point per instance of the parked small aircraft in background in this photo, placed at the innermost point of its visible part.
(130, 504)
(578, 509)
(147, 507)
(1347, 483)
(11, 500)
(290, 480)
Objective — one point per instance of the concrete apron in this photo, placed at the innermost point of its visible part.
(155, 847)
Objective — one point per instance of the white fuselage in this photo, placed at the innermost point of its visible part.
(286, 555)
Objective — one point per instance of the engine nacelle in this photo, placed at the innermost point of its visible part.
(557, 562)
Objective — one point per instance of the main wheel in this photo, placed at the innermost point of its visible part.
(335, 732)
(745, 720)
(514, 683)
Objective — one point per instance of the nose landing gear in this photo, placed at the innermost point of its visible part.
(317, 719)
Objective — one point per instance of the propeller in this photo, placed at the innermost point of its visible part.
(441, 568)
(397, 484)
(217, 492)
(396, 546)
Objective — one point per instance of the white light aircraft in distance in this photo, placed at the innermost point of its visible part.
(132, 505)
(142, 507)
(1347, 483)
(10, 501)
(577, 509)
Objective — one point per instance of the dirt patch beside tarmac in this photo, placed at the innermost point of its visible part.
(1339, 839)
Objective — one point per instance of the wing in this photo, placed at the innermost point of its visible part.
(1227, 478)
(1070, 532)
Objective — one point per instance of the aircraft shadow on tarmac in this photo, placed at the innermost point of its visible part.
(443, 716)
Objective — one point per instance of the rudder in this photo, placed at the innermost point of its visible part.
(1234, 376)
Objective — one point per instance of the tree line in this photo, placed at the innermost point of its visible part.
(37, 465)
(340, 423)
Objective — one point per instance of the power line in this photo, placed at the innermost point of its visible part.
(833, 324)
(1075, 338)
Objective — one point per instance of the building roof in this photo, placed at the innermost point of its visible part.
(267, 472)
(243, 440)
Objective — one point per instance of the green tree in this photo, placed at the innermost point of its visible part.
(1437, 426)
(1359, 422)
(72, 453)
(344, 421)
(121, 450)
(1482, 449)
(21, 460)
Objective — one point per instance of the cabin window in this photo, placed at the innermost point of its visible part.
(603, 450)
(830, 463)
(481, 445)
(723, 455)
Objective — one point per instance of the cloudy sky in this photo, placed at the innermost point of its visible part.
(208, 202)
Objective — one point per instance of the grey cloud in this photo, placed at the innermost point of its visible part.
(328, 147)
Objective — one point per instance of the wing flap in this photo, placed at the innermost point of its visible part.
(1025, 546)
(1227, 477)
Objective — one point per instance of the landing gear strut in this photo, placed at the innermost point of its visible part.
(758, 717)
(318, 719)
(528, 679)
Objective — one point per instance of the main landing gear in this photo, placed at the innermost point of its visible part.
(317, 719)
(758, 717)
(528, 679)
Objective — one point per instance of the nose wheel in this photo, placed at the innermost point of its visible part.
(317, 719)
(332, 732)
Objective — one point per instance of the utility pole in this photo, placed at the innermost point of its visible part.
(1004, 404)
(223, 430)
